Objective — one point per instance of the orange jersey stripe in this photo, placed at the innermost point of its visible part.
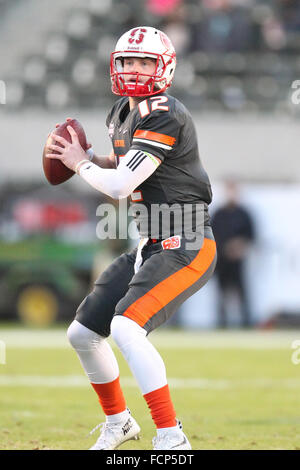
(149, 304)
(162, 138)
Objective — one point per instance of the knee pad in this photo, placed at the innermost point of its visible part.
(82, 338)
(124, 331)
(144, 361)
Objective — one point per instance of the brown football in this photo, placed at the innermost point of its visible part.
(55, 171)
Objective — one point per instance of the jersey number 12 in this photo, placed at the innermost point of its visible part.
(156, 103)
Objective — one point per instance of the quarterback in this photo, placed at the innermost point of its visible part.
(155, 161)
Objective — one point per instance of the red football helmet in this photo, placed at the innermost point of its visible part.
(142, 42)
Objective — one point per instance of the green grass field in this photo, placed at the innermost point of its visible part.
(232, 390)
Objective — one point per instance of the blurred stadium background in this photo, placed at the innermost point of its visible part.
(238, 61)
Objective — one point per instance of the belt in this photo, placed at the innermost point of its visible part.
(151, 241)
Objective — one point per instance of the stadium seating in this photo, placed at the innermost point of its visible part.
(244, 58)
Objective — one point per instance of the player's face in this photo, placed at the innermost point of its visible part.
(135, 65)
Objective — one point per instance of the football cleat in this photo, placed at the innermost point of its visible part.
(172, 439)
(112, 435)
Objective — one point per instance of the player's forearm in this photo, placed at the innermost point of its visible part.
(119, 183)
(103, 161)
(106, 180)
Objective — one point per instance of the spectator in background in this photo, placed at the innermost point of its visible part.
(162, 7)
(289, 13)
(273, 35)
(226, 26)
(281, 25)
(173, 20)
(282, 30)
(177, 29)
(233, 230)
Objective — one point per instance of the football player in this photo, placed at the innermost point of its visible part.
(154, 160)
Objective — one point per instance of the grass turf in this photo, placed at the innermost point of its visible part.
(227, 398)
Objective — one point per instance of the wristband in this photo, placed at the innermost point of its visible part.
(79, 164)
(90, 152)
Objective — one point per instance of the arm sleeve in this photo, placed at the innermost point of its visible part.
(135, 167)
(158, 133)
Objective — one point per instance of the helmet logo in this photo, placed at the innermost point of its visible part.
(140, 37)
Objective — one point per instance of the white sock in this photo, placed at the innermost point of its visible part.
(117, 418)
(161, 431)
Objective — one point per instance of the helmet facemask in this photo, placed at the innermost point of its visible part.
(154, 83)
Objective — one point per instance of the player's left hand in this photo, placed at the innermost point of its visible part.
(70, 153)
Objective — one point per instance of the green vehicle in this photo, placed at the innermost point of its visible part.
(48, 249)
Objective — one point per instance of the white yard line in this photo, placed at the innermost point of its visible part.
(56, 338)
(174, 382)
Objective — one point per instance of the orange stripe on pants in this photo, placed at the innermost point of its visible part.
(159, 296)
